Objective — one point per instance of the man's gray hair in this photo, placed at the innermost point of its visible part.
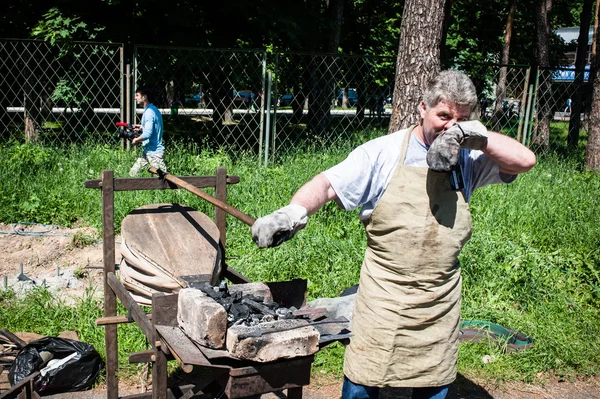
(452, 86)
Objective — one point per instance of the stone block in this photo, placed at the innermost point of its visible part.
(266, 342)
(202, 318)
(255, 289)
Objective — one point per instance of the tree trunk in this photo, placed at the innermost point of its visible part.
(31, 118)
(501, 87)
(542, 134)
(580, 62)
(592, 150)
(323, 93)
(418, 58)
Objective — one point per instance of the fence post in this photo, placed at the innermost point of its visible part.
(527, 113)
(262, 108)
(128, 118)
(123, 116)
(268, 125)
(523, 100)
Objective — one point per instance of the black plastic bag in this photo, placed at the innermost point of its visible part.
(76, 374)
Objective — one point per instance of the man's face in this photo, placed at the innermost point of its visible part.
(140, 99)
(440, 117)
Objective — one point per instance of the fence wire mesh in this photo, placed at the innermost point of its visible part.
(213, 97)
(59, 94)
(66, 93)
(533, 105)
(325, 99)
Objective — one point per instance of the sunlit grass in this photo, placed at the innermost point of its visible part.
(533, 263)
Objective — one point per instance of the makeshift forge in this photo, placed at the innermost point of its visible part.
(243, 364)
(247, 321)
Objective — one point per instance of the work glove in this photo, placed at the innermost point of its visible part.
(443, 152)
(342, 306)
(279, 226)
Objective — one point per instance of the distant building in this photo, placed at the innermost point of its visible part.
(570, 36)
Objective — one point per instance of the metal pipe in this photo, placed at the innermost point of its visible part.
(268, 127)
(262, 109)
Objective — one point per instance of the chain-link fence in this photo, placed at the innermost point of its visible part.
(57, 94)
(213, 97)
(328, 98)
(250, 103)
(534, 105)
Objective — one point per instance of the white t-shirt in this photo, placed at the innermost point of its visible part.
(361, 179)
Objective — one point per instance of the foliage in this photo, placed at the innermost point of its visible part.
(56, 26)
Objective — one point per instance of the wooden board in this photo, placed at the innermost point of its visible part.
(183, 347)
(181, 240)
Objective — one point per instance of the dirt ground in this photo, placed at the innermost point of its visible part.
(50, 256)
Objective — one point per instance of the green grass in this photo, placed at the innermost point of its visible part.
(532, 264)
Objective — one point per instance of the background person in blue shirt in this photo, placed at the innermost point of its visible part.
(152, 133)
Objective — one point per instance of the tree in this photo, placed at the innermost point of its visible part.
(418, 57)
(592, 150)
(542, 134)
(501, 87)
(580, 62)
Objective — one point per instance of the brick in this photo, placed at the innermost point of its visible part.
(256, 289)
(202, 318)
(266, 342)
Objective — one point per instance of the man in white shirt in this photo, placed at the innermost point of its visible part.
(413, 187)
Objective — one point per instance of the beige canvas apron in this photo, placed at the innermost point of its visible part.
(406, 319)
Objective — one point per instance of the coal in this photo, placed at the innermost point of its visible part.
(248, 310)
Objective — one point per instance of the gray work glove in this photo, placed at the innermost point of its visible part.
(443, 152)
(279, 226)
(342, 306)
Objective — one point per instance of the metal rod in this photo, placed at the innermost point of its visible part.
(268, 125)
(194, 190)
(262, 108)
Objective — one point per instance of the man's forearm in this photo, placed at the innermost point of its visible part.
(314, 194)
(147, 130)
(511, 156)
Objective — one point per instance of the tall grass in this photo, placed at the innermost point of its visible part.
(533, 263)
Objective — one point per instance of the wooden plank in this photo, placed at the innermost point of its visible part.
(179, 239)
(159, 369)
(104, 321)
(23, 387)
(152, 183)
(183, 347)
(19, 343)
(131, 305)
(164, 309)
(221, 195)
(110, 300)
(142, 357)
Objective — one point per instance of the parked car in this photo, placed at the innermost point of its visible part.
(285, 100)
(192, 101)
(243, 98)
(352, 97)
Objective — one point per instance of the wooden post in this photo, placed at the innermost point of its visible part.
(221, 195)
(523, 104)
(110, 300)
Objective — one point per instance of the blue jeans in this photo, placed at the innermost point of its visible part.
(351, 390)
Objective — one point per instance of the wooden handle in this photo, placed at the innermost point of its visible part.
(195, 190)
